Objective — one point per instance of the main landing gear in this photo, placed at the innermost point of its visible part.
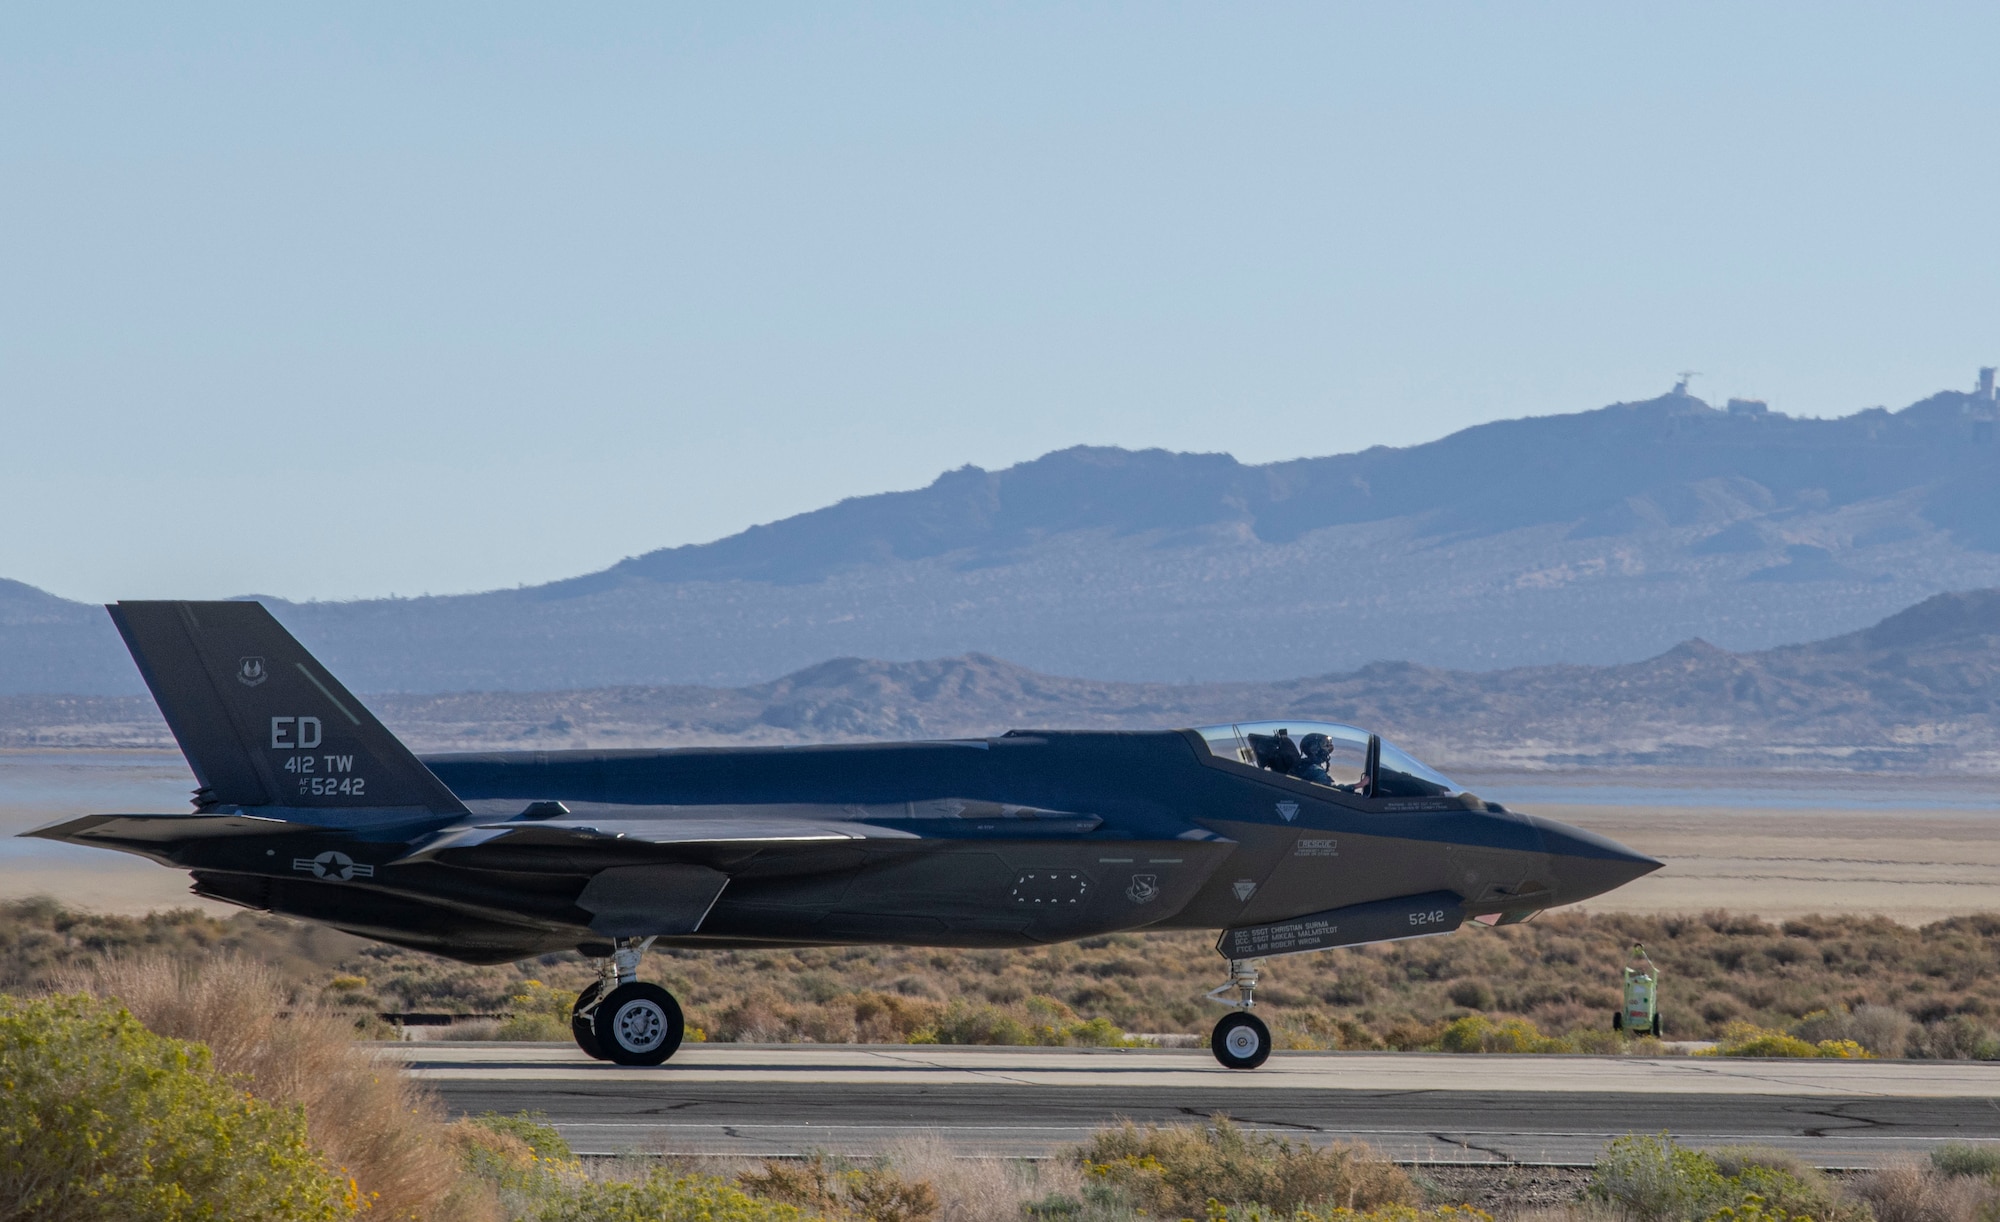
(622, 1018)
(1240, 1040)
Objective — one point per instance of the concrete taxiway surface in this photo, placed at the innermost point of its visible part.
(754, 1100)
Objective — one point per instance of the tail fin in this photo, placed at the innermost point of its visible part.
(261, 721)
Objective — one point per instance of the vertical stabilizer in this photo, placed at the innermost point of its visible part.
(261, 722)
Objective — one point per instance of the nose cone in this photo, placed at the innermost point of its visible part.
(1588, 864)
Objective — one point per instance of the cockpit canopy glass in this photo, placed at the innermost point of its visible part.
(1400, 775)
(1325, 753)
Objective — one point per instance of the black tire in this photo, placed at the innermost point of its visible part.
(1618, 1020)
(1656, 1024)
(638, 1024)
(580, 1026)
(1241, 1041)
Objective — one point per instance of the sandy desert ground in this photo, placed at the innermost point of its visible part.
(1914, 851)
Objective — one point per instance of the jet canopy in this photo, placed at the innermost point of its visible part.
(1325, 753)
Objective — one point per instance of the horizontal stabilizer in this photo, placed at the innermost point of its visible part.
(156, 836)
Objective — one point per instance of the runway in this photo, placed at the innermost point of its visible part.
(756, 1100)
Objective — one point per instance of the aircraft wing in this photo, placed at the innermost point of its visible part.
(618, 837)
(461, 845)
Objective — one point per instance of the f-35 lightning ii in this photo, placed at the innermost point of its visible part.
(1287, 836)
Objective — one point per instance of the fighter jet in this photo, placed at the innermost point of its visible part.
(1285, 836)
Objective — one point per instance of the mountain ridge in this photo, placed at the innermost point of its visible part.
(1917, 692)
(1598, 537)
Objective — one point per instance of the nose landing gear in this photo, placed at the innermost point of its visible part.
(1240, 1040)
(623, 1019)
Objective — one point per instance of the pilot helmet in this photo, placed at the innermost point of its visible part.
(1316, 747)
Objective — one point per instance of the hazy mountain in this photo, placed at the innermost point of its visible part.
(1599, 537)
(1917, 691)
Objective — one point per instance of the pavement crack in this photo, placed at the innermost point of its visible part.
(1837, 1113)
(1463, 1144)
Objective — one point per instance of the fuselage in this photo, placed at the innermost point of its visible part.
(1036, 837)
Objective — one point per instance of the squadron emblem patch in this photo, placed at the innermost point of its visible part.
(250, 671)
(1145, 888)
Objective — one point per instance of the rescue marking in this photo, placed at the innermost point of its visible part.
(1288, 811)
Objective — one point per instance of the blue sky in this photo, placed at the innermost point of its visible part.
(333, 301)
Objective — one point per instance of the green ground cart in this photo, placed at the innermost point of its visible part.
(1641, 1012)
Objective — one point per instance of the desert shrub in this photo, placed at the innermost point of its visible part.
(372, 1123)
(1405, 1034)
(1555, 971)
(992, 1189)
(1917, 1193)
(1881, 1030)
(1216, 1211)
(1650, 1179)
(536, 1012)
(1477, 1033)
(1784, 1186)
(1305, 1031)
(1095, 1201)
(1958, 1158)
(1472, 994)
(878, 1193)
(1174, 1170)
(665, 1197)
(543, 1139)
(500, 1161)
(1753, 1208)
(1394, 1213)
(1958, 1038)
(107, 1120)
(1038, 1020)
(1750, 1040)
(881, 1194)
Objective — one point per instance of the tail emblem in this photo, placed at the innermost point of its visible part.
(250, 671)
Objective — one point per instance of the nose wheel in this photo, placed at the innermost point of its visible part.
(1241, 1041)
(623, 1019)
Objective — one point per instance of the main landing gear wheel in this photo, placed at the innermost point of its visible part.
(638, 1024)
(1241, 1041)
(581, 1026)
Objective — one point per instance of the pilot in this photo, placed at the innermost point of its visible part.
(1317, 750)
